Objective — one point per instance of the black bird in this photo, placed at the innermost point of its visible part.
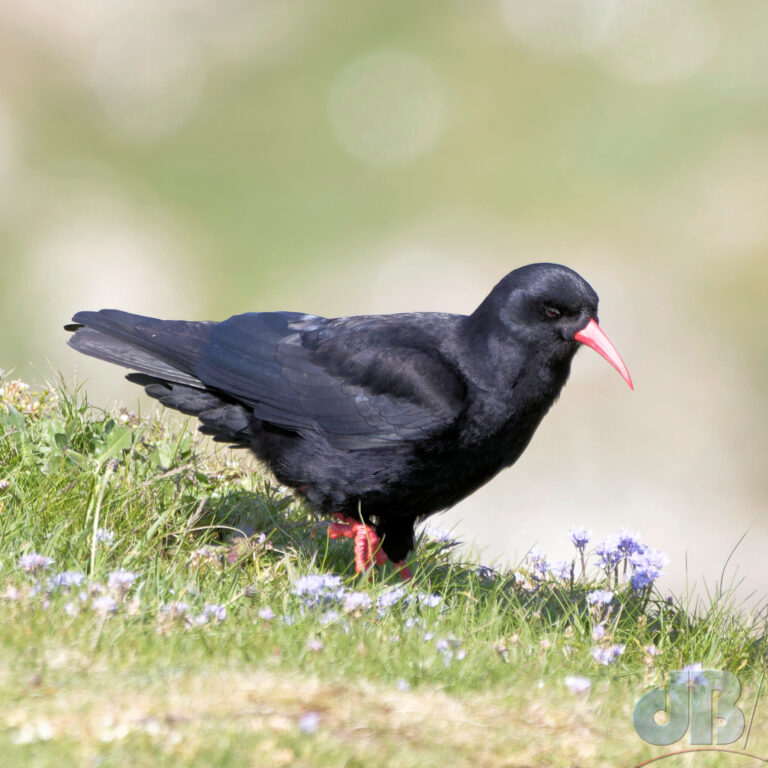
(381, 420)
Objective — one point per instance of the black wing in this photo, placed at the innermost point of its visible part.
(362, 382)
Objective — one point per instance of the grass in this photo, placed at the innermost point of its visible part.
(190, 641)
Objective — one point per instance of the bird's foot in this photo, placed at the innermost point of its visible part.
(368, 551)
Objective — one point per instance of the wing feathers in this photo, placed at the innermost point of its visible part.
(358, 382)
(318, 382)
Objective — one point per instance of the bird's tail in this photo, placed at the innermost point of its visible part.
(163, 349)
(162, 355)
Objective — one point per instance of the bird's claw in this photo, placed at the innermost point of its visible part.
(368, 551)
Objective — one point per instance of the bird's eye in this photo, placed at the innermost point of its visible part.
(552, 312)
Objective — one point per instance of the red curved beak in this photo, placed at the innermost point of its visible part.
(593, 336)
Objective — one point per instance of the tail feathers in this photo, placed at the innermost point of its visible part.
(227, 421)
(162, 355)
(123, 353)
(165, 349)
(187, 399)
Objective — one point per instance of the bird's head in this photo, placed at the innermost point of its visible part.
(553, 308)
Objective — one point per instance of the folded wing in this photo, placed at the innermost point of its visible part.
(360, 382)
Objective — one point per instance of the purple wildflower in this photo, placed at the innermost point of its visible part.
(316, 582)
(430, 601)
(608, 655)
(213, 612)
(120, 581)
(319, 589)
(691, 674)
(647, 565)
(391, 597)
(579, 537)
(266, 613)
(628, 542)
(537, 564)
(562, 570)
(315, 645)
(34, 563)
(599, 597)
(449, 649)
(357, 601)
(598, 633)
(66, 579)
(440, 536)
(104, 604)
(174, 610)
(609, 553)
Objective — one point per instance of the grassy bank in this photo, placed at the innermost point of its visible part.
(162, 602)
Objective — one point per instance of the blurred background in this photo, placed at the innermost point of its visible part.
(193, 159)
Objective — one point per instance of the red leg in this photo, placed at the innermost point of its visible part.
(404, 571)
(368, 549)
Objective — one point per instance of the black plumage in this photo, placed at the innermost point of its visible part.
(394, 417)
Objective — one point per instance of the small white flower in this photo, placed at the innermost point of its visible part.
(357, 601)
(600, 597)
(120, 581)
(576, 684)
(430, 601)
(11, 593)
(211, 612)
(598, 633)
(34, 562)
(67, 579)
(104, 604)
(104, 535)
(175, 609)
(309, 722)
